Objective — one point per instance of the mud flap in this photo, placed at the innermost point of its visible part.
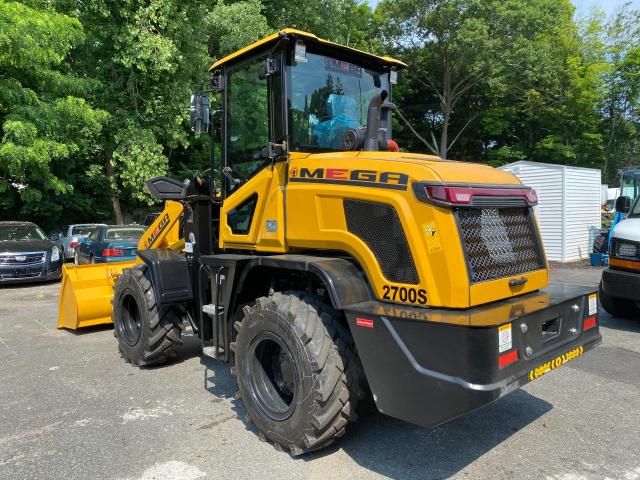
(86, 294)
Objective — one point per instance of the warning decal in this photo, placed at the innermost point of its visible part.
(593, 304)
(504, 338)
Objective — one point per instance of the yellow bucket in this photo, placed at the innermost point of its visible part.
(87, 292)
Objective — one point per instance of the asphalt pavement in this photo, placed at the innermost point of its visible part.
(71, 408)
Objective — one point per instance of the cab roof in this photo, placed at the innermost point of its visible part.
(273, 39)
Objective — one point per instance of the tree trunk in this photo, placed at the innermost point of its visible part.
(115, 201)
(446, 110)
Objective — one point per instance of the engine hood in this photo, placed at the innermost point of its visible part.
(628, 229)
(22, 246)
(419, 167)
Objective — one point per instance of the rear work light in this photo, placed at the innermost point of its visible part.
(112, 252)
(507, 358)
(455, 195)
(589, 323)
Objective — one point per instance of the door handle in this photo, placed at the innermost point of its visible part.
(516, 282)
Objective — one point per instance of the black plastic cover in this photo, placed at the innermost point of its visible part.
(165, 188)
(423, 369)
(169, 275)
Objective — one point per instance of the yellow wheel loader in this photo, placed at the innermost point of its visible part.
(326, 266)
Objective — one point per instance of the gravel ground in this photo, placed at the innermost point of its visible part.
(71, 408)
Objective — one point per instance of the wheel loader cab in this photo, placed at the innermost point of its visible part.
(286, 97)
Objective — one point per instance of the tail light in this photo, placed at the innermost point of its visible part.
(74, 244)
(454, 195)
(112, 252)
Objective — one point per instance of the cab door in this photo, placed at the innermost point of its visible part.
(252, 215)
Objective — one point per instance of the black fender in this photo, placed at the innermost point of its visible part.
(169, 275)
(346, 284)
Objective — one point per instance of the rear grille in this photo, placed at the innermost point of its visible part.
(30, 258)
(499, 242)
(378, 225)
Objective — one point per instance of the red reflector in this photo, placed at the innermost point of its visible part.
(507, 358)
(589, 322)
(364, 322)
(112, 252)
(74, 244)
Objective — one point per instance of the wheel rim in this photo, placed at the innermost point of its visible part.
(130, 321)
(272, 376)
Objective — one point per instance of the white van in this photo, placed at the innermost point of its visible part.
(620, 284)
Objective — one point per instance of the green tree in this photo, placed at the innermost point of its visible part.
(147, 58)
(47, 130)
(621, 103)
(451, 50)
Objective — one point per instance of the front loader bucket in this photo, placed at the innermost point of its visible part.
(86, 293)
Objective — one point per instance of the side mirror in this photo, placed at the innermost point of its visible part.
(623, 205)
(54, 237)
(199, 113)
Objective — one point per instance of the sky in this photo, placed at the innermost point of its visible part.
(583, 7)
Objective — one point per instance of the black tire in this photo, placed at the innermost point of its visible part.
(298, 374)
(147, 334)
(618, 307)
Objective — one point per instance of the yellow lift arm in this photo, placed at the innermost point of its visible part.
(87, 290)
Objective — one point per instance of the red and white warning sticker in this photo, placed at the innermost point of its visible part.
(505, 341)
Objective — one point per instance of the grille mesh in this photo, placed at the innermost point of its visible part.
(378, 225)
(22, 258)
(499, 242)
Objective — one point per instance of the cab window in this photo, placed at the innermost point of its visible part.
(247, 119)
(329, 101)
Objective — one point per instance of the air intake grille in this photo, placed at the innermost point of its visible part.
(499, 242)
(378, 225)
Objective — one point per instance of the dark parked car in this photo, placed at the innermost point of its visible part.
(27, 255)
(109, 243)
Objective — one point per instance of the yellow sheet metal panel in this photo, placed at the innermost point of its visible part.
(266, 186)
(319, 184)
(485, 316)
(86, 292)
(271, 230)
(273, 38)
(486, 292)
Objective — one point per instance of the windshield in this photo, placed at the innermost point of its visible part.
(630, 183)
(20, 232)
(124, 232)
(330, 97)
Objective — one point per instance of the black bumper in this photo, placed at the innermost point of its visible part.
(428, 366)
(42, 272)
(621, 284)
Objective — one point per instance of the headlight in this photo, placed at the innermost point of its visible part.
(626, 249)
(55, 254)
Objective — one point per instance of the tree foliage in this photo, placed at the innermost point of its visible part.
(48, 130)
(94, 95)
